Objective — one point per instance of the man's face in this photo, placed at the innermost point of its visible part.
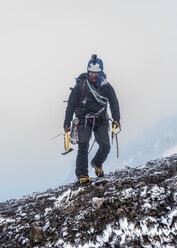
(93, 76)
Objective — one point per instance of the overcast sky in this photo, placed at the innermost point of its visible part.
(45, 45)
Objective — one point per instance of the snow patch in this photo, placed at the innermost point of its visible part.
(65, 196)
(2, 220)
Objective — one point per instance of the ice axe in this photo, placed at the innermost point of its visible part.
(115, 134)
(66, 143)
(56, 136)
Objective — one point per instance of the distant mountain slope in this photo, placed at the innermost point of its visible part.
(134, 207)
(155, 142)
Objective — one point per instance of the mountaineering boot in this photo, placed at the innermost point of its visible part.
(83, 181)
(98, 172)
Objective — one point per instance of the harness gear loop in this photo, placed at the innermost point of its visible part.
(93, 116)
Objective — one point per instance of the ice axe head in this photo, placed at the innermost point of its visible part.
(70, 150)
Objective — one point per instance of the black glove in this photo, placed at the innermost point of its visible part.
(115, 123)
(66, 126)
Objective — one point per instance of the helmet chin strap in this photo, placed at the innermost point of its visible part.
(99, 79)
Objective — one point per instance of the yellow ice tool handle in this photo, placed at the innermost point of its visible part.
(67, 136)
(116, 134)
(118, 125)
(66, 139)
(114, 128)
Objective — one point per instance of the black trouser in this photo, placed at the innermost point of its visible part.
(102, 138)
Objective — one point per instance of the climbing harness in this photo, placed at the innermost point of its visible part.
(93, 116)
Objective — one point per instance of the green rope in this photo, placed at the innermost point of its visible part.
(101, 99)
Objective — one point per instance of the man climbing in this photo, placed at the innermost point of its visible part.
(89, 100)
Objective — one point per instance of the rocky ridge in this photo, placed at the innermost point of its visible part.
(133, 207)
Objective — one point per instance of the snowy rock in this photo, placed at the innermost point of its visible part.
(98, 202)
(133, 207)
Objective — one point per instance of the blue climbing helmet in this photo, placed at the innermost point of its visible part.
(96, 65)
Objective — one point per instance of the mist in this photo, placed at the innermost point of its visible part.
(45, 45)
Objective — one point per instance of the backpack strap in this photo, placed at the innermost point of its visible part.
(83, 89)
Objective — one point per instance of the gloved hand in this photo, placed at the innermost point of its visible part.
(66, 126)
(115, 123)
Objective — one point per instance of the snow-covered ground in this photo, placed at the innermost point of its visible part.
(133, 207)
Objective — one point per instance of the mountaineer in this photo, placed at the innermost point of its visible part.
(89, 101)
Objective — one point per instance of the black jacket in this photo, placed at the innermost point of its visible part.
(81, 100)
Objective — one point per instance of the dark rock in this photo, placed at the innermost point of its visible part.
(9, 211)
(36, 234)
(70, 209)
(120, 212)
